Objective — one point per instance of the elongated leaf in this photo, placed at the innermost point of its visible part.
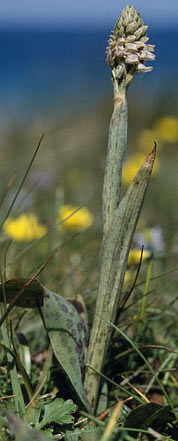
(117, 242)
(114, 256)
(68, 335)
(66, 327)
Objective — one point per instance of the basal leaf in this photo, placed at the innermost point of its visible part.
(67, 328)
(69, 338)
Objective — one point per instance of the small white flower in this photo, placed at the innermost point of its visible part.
(121, 41)
(144, 39)
(146, 55)
(150, 47)
(140, 44)
(131, 47)
(130, 38)
(141, 68)
(132, 59)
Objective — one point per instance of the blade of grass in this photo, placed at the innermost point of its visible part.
(129, 351)
(22, 370)
(102, 424)
(172, 362)
(112, 422)
(22, 182)
(143, 304)
(33, 408)
(16, 387)
(158, 276)
(128, 294)
(119, 386)
(162, 366)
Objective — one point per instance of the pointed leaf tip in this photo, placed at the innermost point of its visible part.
(151, 156)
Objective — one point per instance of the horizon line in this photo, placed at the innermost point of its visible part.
(79, 25)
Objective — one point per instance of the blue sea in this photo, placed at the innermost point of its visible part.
(49, 71)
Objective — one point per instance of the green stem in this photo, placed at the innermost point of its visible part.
(117, 146)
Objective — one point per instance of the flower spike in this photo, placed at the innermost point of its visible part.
(128, 49)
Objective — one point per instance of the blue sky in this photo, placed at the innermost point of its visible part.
(84, 12)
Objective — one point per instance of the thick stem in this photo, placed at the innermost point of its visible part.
(117, 146)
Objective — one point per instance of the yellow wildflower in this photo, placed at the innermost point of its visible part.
(135, 255)
(24, 228)
(132, 166)
(167, 129)
(79, 220)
